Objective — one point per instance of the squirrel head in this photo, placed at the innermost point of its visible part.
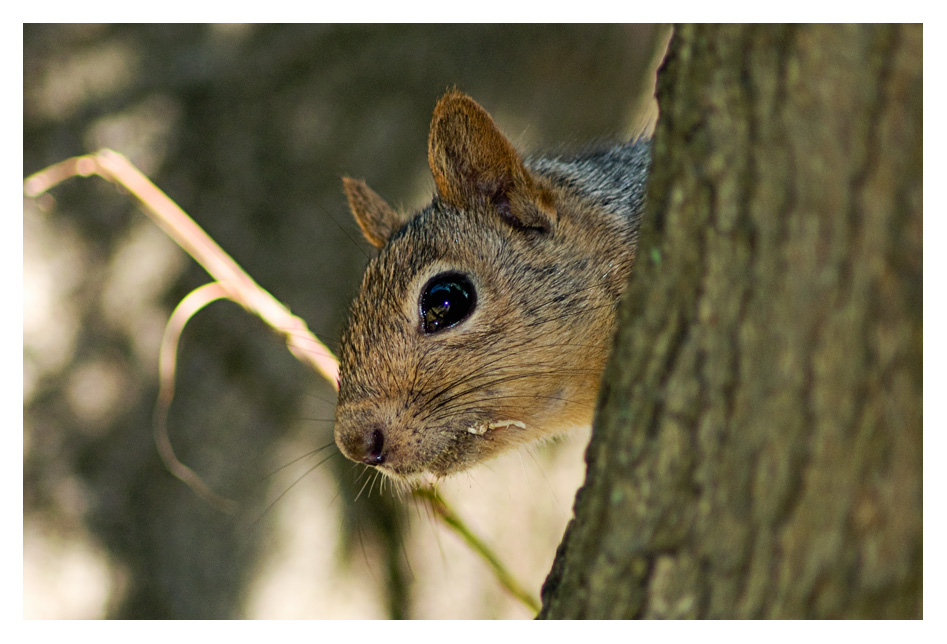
(485, 319)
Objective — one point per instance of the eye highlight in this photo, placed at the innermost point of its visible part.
(446, 300)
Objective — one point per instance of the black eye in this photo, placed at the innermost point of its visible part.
(447, 299)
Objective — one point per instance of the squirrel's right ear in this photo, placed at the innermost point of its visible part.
(374, 216)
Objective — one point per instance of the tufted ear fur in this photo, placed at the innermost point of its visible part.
(473, 163)
(374, 216)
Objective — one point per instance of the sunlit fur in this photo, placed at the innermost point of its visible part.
(547, 243)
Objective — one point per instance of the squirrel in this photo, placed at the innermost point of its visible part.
(486, 318)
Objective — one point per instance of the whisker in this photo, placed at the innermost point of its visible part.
(309, 394)
(361, 543)
(407, 559)
(468, 404)
(491, 383)
(432, 397)
(361, 470)
(297, 459)
(358, 496)
(553, 300)
(486, 366)
(315, 343)
(568, 314)
(294, 483)
(326, 212)
(372, 487)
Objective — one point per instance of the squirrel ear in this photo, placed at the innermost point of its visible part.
(374, 216)
(472, 162)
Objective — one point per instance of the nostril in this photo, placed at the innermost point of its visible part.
(375, 453)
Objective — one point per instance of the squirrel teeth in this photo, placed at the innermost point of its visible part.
(480, 430)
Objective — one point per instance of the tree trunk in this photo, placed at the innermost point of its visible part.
(757, 450)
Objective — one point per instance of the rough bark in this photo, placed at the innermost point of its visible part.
(758, 444)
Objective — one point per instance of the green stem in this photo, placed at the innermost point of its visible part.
(449, 517)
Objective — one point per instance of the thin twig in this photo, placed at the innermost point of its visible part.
(449, 517)
(167, 366)
(239, 286)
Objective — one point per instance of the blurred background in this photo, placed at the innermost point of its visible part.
(249, 129)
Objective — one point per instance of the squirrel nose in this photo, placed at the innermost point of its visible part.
(374, 448)
(363, 440)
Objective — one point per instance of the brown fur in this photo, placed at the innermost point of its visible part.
(548, 264)
(374, 216)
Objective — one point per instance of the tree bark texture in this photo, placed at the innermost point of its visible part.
(758, 444)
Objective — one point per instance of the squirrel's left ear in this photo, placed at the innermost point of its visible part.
(374, 216)
(473, 163)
